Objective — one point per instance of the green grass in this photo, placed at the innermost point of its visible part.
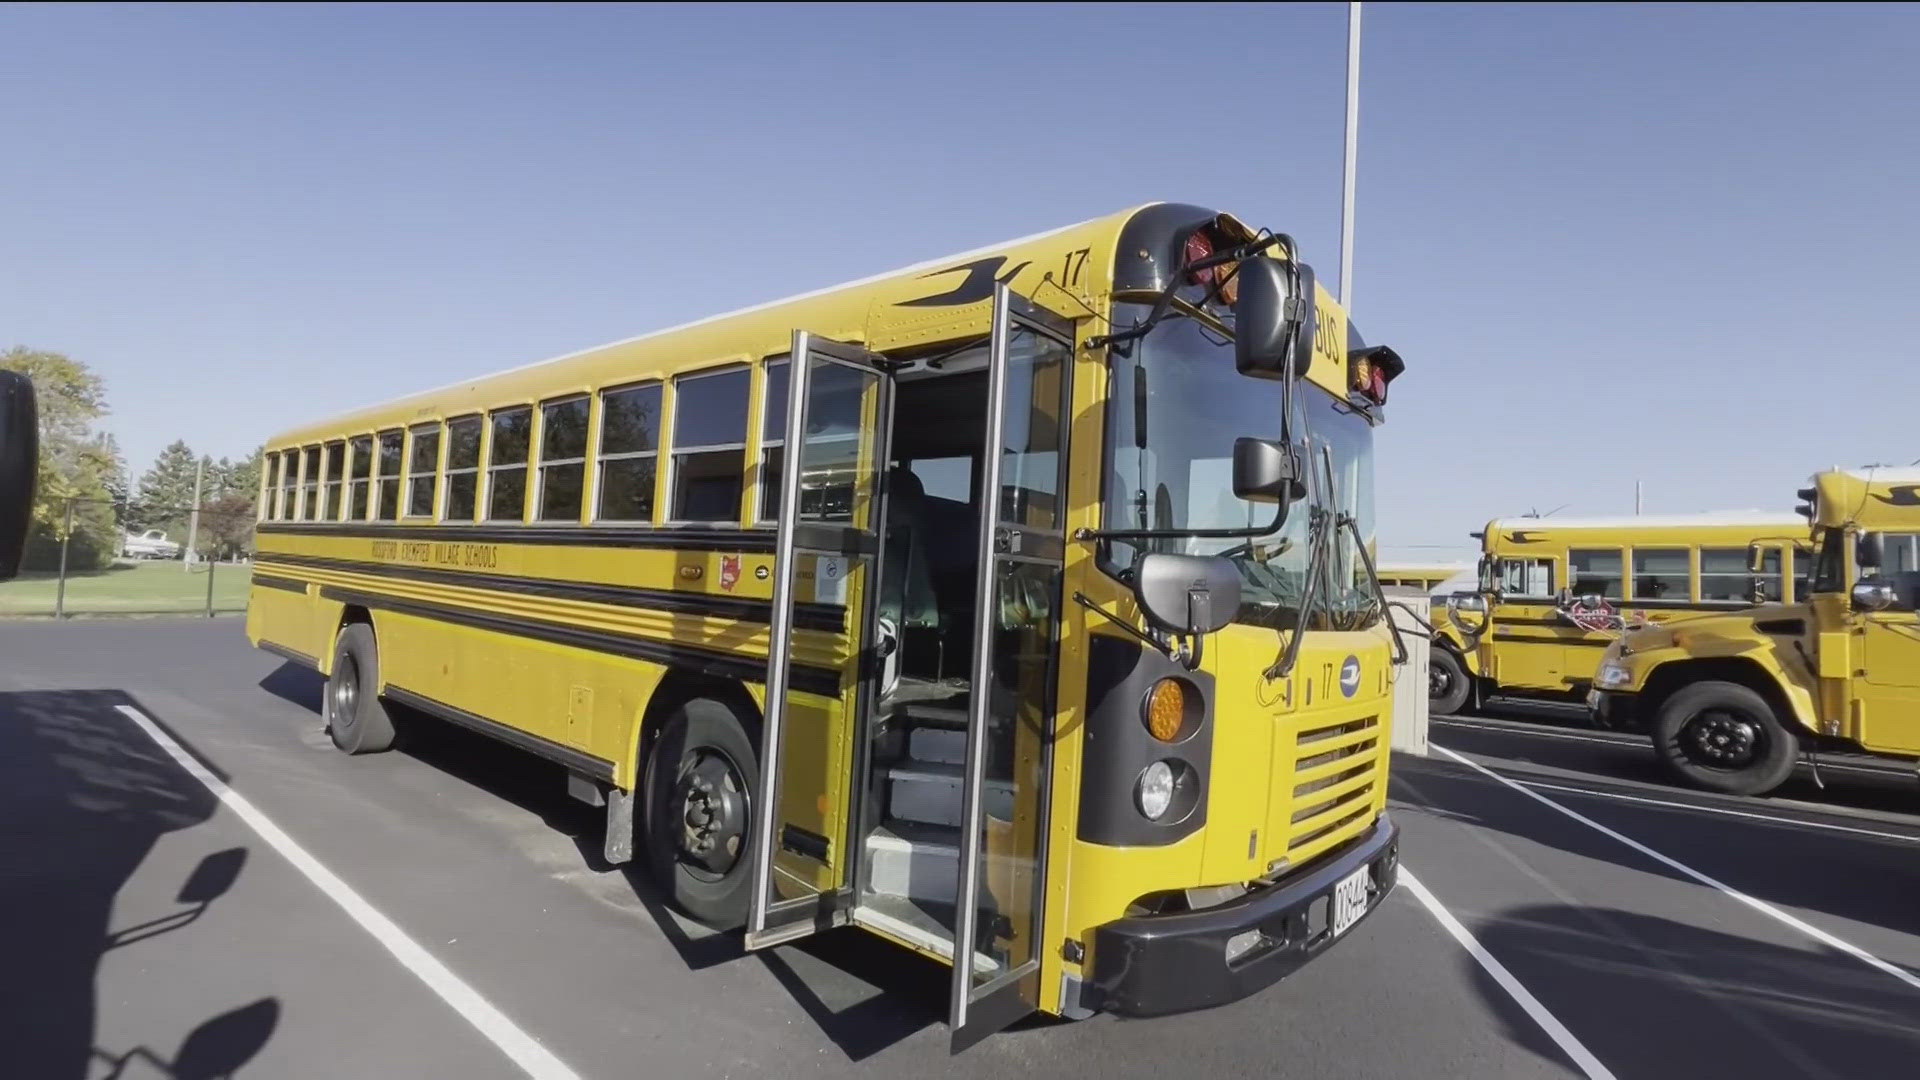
(128, 589)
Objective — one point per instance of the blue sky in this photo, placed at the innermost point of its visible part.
(1614, 243)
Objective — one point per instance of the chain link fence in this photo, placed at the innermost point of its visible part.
(107, 557)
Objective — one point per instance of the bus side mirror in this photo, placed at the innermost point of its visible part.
(1872, 596)
(1867, 551)
(1264, 472)
(19, 467)
(1187, 594)
(1270, 323)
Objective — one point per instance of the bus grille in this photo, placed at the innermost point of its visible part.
(1337, 771)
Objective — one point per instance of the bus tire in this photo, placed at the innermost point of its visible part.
(1724, 737)
(1448, 685)
(702, 790)
(356, 718)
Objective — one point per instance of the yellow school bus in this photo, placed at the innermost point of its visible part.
(1424, 577)
(1060, 641)
(1555, 591)
(1732, 700)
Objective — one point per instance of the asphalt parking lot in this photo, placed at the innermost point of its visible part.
(443, 912)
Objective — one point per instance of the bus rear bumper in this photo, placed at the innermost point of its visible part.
(1151, 965)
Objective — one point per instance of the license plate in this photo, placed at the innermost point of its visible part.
(1350, 899)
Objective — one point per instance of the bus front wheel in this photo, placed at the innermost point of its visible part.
(356, 718)
(702, 781)
(1724, 737)
(1448, 685)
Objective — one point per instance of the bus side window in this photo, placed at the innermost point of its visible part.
(1595, 572)
(310, 484)
(1662, 574)
(463, 469)
(422, 462)
(709, 446)
(332, 462)
(387, 508)
(629, 447)
(1724, 576)
(359, 477)
(507, 464)
(269, 501)
(563, 458)
(283, 508)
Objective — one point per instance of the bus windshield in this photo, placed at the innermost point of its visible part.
(1174, 409)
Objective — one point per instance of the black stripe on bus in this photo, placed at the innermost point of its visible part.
(830, 617)
(573, 760)
(668, 537)
(1505, 639)
(803, 677)
(294, 655)
(272, 581)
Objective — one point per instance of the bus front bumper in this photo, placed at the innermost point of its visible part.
(1614, 709)
(1150, 965)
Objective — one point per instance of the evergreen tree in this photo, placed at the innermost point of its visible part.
(166, 491)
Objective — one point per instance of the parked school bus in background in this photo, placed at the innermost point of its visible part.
(1732, 700)
(1060, 642)
(1424, 577)
(1555, 591)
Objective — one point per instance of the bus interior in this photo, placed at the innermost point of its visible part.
(910, 827)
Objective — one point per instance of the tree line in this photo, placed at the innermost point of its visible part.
(84, 484)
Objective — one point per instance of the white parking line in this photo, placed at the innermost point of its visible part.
(1761, 906)
(526, 1052)
(1911, 839)
(1521, 996)
(1624, 740)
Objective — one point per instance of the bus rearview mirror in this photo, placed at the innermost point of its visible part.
(1264, 472)
(1867, 551)
(1187, 594)
(1271, 323)
(19, 467)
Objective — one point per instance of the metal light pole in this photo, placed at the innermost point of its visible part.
(1353, 154)
(193, 515)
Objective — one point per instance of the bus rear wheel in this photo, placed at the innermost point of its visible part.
(1724, 737)
(1447, 683)
(702, 787)
(356, 718)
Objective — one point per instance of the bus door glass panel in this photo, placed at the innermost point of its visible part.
(1891, 651)
(1022, 543)
(826, 553)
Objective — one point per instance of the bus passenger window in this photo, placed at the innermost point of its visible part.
(1661, 574)
(310, 484)
(507, 465)
(773, 435)
(332, 463)
(463, 468)
(629, 447)
(1724, 576)
(359, 477)
(387, 507)
(709, 446)
(563, 458)
(421, 465)
(1595, 572)
(270, 489)
(289, 475)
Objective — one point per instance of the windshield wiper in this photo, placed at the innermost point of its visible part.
(1379, 595)
(1316, 546)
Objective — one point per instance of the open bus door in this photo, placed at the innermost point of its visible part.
(1022, 546)
(826, 559)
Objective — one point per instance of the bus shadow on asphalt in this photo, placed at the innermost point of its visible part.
(86, 796)
(865, 994)
(1630, 986)
(1866, 879)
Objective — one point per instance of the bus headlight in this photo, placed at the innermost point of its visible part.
(1612, 675)
(1154, 792)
